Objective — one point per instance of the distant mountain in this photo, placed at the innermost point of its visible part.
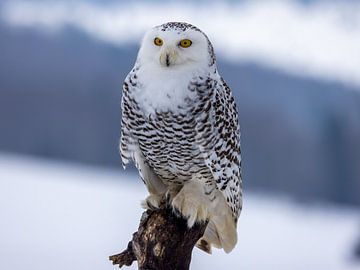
(60, 98)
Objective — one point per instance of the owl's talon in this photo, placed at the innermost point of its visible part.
(177, 212)
(152, 202)
(151, 206)
(168, 198)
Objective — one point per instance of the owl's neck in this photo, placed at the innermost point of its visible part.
(164, 89)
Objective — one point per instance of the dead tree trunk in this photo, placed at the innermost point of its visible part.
(162, 242)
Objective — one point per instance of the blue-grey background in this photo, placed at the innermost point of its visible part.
(294, 68)
(60, 99)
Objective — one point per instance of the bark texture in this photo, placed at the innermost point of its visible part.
(162, 242)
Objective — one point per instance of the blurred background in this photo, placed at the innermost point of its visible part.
(294, 68)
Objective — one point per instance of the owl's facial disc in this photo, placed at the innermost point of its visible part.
(174, 48)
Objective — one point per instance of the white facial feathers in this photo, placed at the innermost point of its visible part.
(170, 54)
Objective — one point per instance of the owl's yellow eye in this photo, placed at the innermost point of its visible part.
(158, 41)
(185, 43)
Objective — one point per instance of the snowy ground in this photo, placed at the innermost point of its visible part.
(60, 216)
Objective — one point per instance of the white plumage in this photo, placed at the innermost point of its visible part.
(180, 127)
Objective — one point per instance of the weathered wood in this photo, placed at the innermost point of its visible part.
(162, 242)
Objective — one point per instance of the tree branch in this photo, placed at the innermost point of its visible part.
(163, 241)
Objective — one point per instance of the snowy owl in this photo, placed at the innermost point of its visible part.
(180, 128)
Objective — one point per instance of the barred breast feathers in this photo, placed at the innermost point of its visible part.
(147, 97)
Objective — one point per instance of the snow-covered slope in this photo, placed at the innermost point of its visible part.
(61, 216)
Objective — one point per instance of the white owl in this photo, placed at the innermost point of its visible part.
(180, 127)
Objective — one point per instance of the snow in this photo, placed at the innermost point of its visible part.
(62, 216)
(319, 40)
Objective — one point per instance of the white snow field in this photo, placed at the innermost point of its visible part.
(59, 216)
(320, 39)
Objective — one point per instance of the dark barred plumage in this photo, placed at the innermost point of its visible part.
(202, 136)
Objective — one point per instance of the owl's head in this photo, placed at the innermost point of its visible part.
(174, 45)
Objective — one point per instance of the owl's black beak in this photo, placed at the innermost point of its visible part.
(167, 60)
(168, 56)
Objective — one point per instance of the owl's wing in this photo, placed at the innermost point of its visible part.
(125, 137)
(129, 117)
(220, 143)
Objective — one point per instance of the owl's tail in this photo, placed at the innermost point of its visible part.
(220, 231)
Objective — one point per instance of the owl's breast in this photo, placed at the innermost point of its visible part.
(165, 120)
(162, 91)
(167, 141)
